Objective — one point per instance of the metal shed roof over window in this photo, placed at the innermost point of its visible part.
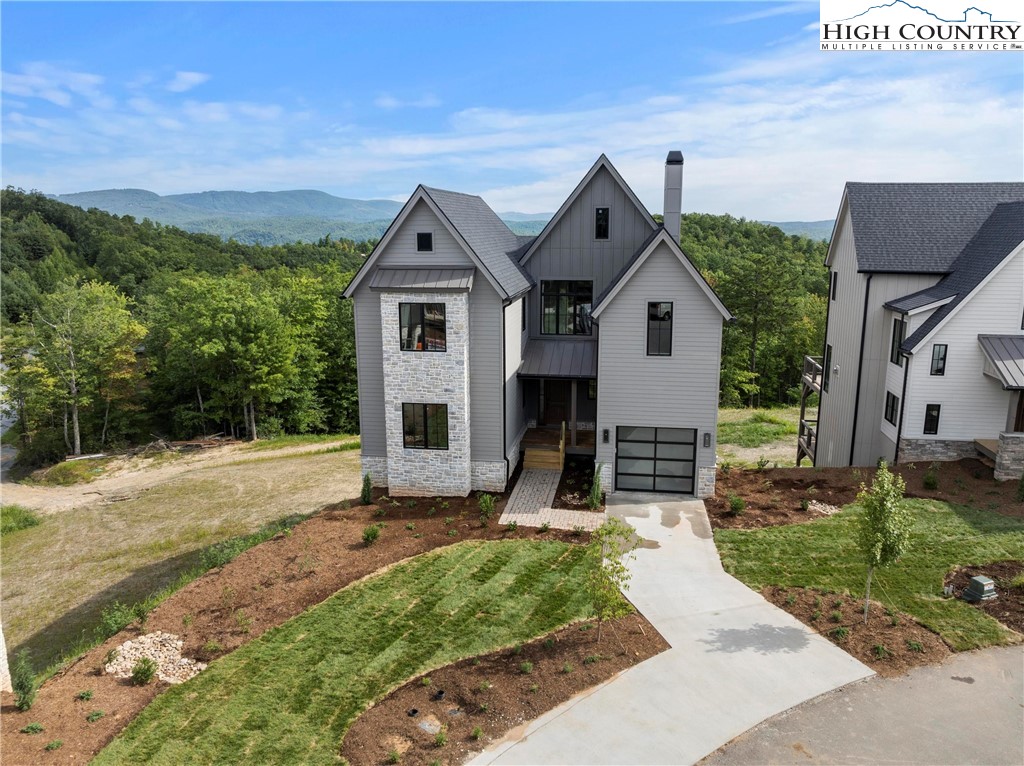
(1004, 356)
(560, 359)
(422, 279)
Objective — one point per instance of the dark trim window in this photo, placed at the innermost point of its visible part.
(592, 390)
(939, 359)
(899, 330)
(523, 328)
(601, 222)
(835, 281)
(659, 329)
(826, 368)
(422, 326)
(424, 242)
(425, 426)
(931, 418)
(565, 307)
(892, 407)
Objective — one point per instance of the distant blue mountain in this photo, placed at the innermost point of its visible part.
(810, 229)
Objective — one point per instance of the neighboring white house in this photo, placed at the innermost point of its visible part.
(474, 345)
(924, 348)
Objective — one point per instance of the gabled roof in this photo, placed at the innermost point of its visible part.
(633, 265)
(919, 227)
(998, 237)
(488, 242)
(602, 162)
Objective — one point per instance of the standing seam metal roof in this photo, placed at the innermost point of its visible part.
(559, 359)
(423, 279)
(1006, 353)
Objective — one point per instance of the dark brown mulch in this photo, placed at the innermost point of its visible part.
(230, 606)
(1008, 605)
(891, 643)
(773, 496)
(493, 693)
(574, 486)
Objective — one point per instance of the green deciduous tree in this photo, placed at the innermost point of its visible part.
(611, 546)
(884, 523)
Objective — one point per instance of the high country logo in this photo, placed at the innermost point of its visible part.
(902, 25)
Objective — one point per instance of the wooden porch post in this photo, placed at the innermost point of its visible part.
(572, 409)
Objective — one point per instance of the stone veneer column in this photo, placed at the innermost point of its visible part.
(706, 481)
(430, 377)
(1010, 457)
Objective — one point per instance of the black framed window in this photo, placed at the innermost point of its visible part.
(425, 426)
(931, 418)
(826, 368)
(565, 307)
(835, 284)
(939, 359)
(601, 223)
(524, 314)
(422, 326)
(659, 329)
(892, 407)
(899, 329)
(424, 242)
(592, 390)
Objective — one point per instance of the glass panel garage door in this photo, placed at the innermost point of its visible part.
(655, 459)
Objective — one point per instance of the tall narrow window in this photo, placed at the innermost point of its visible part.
(425, 426)
(826, 372)
(835, 284)
(424, 242)
(939, 359)
(601, 223)
(523, 328)
(899, 329)
(422, 326)
(565, 307)
(659, 329)
(892, 407)
(931, 418)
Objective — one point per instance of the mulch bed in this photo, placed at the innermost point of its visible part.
(773, 496)
(231, 606)
(1008, 605)
(574, 486)
(488, 696)
(890, 644)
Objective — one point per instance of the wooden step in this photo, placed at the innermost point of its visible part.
(540, 458)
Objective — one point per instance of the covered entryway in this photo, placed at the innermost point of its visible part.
(655, 459)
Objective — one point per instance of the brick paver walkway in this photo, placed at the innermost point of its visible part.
(530, 504)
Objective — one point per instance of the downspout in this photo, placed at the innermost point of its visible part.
(860, 369)
(903, 406)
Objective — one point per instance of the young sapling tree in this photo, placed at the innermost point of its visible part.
(884, 523)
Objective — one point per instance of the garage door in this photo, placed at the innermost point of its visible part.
(655, 459)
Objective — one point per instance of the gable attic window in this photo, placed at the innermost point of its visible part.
(422, 327)
(659, 329)
(424, 242)
(565, 307)
(425, 426)
(601, 222)
(899, 330)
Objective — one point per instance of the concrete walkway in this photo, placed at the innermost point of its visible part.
(965, 711)
(735, 659)
(529, 505)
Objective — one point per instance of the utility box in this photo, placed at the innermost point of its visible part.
(980, 588)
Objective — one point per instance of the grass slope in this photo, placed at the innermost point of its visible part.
(823, 554)
(760, 428)
(15, 517)
(290, 695)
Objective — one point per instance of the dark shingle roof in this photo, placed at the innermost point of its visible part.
(488, 236)
(920, 227)
(997, 237)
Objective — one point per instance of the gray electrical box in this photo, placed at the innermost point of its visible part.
(981, 588)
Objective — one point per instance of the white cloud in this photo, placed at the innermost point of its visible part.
(184, 81)
(780, 9)
(387, 101)
(55, 84)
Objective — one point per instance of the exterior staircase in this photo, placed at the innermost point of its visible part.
(546, 456)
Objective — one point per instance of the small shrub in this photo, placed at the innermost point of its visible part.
(511, 526)
(1018, 581)
(817, 601)
(594, 496)
(545, 527)
(791, 599)
(840, 633)
(526, 667)
(476, 661)
(410, 526)
(114, 619)
(762, 463)
(56, 744)
(431, 511)
(425, 681)
(370, 535)
(453, 532)
(737, 505)
(534, 688)
(186, 620)
(881, 652)
(444, 505)
(578, 530)
(805, 504)
(567, 668)
(112, 656)
(486, 506)
(394, 756)
(212, 647)
(725, 467)
(23, 681)
(815, 615)
(366, 493)
(410, 503)
(485, 685)
(243, 621)
(894, 621)
(94, 716)
(837, 604)
(84, 695)
(32, 728)
(517, 649)
(484, 707)
(380, 512)
(143, 671)
(441, 738)
(476, 733)
(914, 646)
(590, 659)
(931, 477)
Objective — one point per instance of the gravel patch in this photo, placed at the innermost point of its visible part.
(164, 649)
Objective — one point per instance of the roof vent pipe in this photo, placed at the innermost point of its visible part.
(673, 193)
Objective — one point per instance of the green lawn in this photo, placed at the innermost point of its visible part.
(756, 428)
(15, 517)
(290, 695)
(823, 555)
(296, 440)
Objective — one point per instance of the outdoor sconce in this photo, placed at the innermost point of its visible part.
(604, 436)
(707, 439)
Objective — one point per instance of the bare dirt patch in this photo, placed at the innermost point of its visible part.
(891, 643)
(480, 700)
(1008, 605)
(775, 496)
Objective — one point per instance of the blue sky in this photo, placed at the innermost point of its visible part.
(510, 101)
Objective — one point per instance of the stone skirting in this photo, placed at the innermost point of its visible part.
(1010, 457)
(706, 481)
(927, 450)
(488, 475)
(377, 467)
(607, 472)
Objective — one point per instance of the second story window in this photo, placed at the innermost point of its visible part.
(939, 359)
(899, 330)
(826, 371)
(424, 242)
(422, 326)
(835, 284)
(565, 307)
(659, 329)
(601, 222)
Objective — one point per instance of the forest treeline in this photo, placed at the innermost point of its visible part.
(116, 330)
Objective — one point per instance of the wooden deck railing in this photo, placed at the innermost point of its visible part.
(808, 437)
(812, 372)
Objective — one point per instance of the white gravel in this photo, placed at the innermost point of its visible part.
(164, 649)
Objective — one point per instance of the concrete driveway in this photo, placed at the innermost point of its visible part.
(735, 658)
